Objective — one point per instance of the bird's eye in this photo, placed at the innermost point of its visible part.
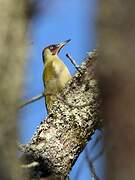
(51, 47)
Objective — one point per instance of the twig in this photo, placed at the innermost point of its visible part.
(91, 166)
(33, 99)
(101, 152)
(31, 165)
(40, 96)
(73, 62)
(97, 140)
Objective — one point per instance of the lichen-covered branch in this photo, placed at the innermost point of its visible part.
(63, 134)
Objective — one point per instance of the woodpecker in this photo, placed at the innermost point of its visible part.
(55, 74)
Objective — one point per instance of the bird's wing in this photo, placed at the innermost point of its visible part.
(47, 109)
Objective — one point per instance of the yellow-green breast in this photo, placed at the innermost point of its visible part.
(55, 77)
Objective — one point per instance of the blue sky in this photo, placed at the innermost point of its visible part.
(56, 21)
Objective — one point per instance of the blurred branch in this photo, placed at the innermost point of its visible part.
(100, 153)
(96, 141)
(91, 166)
(13, 24)
(116, 73)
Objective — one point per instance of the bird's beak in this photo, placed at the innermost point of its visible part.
(61, 45)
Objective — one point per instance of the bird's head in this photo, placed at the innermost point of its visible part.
(53, 49)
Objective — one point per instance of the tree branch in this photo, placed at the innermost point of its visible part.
(33, 99)
(73, 62)
(64, 133)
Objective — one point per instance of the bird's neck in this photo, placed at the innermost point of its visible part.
(50, 58)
